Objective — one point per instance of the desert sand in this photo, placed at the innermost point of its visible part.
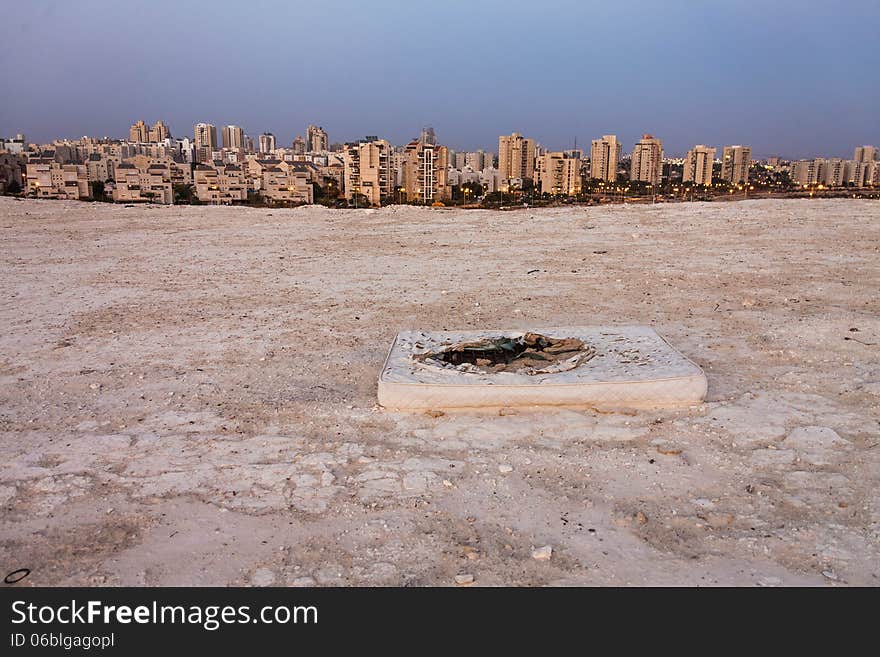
(188, 397)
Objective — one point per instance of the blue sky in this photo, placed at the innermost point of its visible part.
(790, 78)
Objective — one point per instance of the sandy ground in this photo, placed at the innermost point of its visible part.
(187, 396)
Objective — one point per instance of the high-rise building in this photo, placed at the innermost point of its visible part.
(479, 160)
(647, 160)
(807, 172)
(299, 145)
(138, 132)
(428, 136)
(604, 157)
(865, 154)
(368, 170)
(516, 157)
(425, 172)
(204, 142)
(205, 136)
(233, 137)
(267, 142)
(836, 172)
(559, 173)
(859, 173)
(316, 139)
(698, 165)
(159, 132)
(735, 164)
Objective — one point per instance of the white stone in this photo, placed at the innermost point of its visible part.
(262, 577)
(542, 553)
(816, 445)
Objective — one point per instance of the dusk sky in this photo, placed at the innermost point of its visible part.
(792, 78)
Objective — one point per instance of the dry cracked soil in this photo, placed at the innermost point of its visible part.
(188, 397)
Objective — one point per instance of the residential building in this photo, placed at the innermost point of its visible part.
(865, 154)
(159, 132)
(489, 179)
(604, 158)
(368, 170)
(267, 142)
(205, 136)
(735, 164)
(425, 172)
(233, 137)
(284, 183)
(316, 139)
(100, 168)
(428, 137)
(299, 145)
(16, 144)
(220, 184)
(698, 165)
(516, 157)
(138, 132)
(12, 165)
(647, 160)
(149, 183)
(49, 179)
(807, 172)
(836, 172)
(205, 142)
(559, 173)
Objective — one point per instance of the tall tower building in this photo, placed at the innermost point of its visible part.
(865, 154)
(516, 157)
(735, 164)
(316, 139)
(159, 132)
(604, 157)
(559, 173)
(233, 137)
(428, 136)
(368, 170)
(425, 172)
(205, 136)
(138, 132)
(647, 160)
(267, 142)
(836, 172)
(698, 165)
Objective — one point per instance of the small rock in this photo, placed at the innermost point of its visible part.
(433, 413)
(504, 468)
(769, 581)
(464, 580)
(816, 445)
(262, 577)
(303, 582)
(641, 518)
(718, 520)
(542, 553)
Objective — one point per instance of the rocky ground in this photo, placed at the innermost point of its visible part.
(187, 396)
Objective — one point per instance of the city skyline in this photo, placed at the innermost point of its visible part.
(597, 71)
